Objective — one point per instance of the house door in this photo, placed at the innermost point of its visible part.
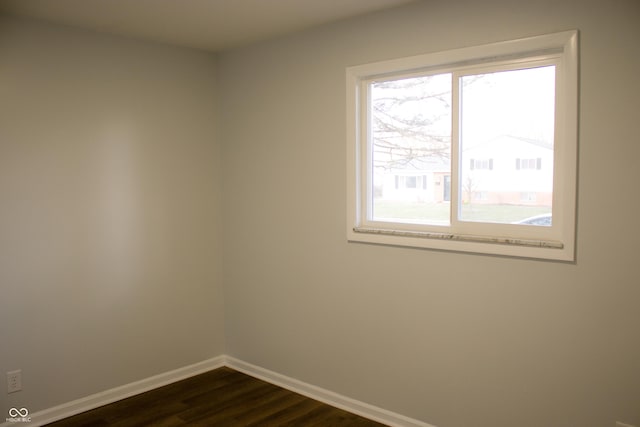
(446, 196)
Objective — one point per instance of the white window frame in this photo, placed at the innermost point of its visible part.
(556, 242)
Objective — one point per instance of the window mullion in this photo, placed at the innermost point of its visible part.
(455, 151)
(366, 152)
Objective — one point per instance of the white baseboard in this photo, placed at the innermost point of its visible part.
(371, 412)
(109, 396)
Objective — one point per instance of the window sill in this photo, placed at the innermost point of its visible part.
(463, 237)
(506, 246)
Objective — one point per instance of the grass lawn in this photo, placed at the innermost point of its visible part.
(439, 212)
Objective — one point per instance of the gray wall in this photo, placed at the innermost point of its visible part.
(130, 173)
(452, 339)
(110, 265)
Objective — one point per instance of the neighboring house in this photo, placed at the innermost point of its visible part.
(503, 170)
(424, 180)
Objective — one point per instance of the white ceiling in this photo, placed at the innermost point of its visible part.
(212, 25)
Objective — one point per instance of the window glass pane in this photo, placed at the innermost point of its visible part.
(507, 118)
(411, 137)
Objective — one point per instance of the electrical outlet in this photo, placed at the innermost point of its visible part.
(14, 381)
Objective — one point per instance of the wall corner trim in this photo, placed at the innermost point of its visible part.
(122, 392)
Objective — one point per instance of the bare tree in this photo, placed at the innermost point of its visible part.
(469, 187)
(412, 120)
(408, 121)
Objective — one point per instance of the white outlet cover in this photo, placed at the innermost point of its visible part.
(14, 381)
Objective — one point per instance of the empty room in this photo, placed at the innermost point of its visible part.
(421, 212)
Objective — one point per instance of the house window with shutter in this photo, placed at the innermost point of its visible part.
(531, 164)
(484, 164)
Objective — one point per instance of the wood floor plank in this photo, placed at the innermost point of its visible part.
(248, 409)
(288, 415)
(222, 397)
(252, 415)
(319, 413)
(219, 400)
(152, 414)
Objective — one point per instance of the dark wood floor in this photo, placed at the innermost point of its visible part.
(222, 397)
